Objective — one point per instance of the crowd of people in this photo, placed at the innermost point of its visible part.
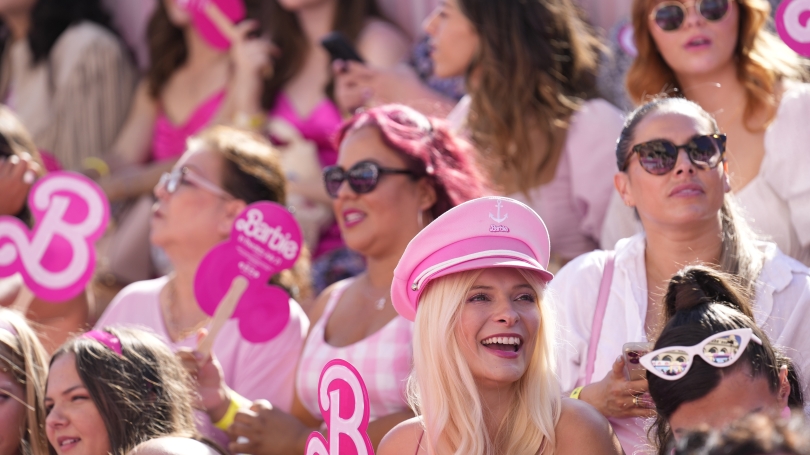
(526, 237)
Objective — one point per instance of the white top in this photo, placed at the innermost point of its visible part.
(776, 203)
(253, 370)
(574, 203)
(781, 309)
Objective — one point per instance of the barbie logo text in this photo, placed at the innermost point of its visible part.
(275, 239)
(343, 399)
(57, 258)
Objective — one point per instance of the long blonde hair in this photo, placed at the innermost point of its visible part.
(443, 390)
(25, 358)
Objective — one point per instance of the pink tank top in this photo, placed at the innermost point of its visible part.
(319, 127)
(169, 140)
(383, 360)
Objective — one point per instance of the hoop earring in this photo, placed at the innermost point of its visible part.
(420, 219)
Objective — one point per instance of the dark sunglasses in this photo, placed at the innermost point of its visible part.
(363, 177)
(660, 156)
(670, 15)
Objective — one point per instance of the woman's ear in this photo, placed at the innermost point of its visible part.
(232, 210)
(784, 386)
(622, 183)
(427, 195)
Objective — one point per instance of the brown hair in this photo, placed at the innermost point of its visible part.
(537, 62)
(15, 140)
(252, 172)
(286, 33)
(762, 61)
(142, 394)
(701, 302)
(23, 355)
(167, 49)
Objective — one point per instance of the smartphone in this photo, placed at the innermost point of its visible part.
(632, 353)
(340, 48)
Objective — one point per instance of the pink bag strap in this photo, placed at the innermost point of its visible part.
(599, 314)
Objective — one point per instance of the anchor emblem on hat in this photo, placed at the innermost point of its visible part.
(498, 219)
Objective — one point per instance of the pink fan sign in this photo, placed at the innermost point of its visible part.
(57, 258)
(232, 279)
(793, 25)
(214, 19)
(343, 399)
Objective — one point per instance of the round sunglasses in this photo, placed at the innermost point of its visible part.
(719, 350)
(670, 15)
(363, 177)
(659, 156)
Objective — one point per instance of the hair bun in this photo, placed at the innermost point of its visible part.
(697, 285)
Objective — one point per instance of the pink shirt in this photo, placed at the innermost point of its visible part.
(169, 140)
(383, 359)
(255, 371)
(319, 127)
(574, 203)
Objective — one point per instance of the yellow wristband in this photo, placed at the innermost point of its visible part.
(253, 122)
(237, 402)
(575, 393)
(97, 164)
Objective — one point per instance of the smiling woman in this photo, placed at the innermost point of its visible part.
(483, 379)
(397, 170)
(109, 390)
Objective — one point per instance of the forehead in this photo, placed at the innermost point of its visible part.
(737, 394)
(676, 125)
(501, 277)
(63, 374)
(365, 143)
(205, 162)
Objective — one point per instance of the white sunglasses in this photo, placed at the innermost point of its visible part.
(719, 350)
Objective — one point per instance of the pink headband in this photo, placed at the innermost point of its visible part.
(105, 338)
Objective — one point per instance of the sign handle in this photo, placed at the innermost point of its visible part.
(224, 312)
(23, 300)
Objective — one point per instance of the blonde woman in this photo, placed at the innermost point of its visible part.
(483, 379)
(23, 371)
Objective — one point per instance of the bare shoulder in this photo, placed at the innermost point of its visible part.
(582, 429)
(382, 43)
(315, 311)
(402, 439)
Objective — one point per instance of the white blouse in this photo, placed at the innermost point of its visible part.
(781, 309)
(776, 203)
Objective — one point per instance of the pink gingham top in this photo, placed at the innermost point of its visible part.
(383, 360)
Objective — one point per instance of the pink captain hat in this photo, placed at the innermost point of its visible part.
(482, 233)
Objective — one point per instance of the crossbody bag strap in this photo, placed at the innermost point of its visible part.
(599, 314)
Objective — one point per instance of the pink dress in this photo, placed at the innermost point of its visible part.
(255, 371)
(169, 140)
(383, 359)
(319, 127)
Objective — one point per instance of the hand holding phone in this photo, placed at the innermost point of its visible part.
(632, 352)
(340, 48)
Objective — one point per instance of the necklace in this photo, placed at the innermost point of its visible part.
(175, 331)
(379, 302)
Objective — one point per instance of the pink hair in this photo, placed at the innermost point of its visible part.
(430, 150)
